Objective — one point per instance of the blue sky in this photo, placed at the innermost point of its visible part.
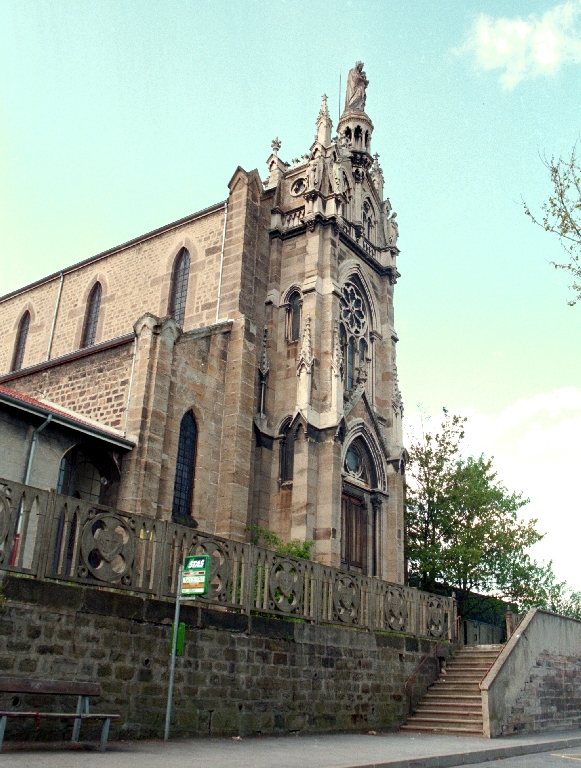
(118, 117)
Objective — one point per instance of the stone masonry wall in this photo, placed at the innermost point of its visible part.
(134, 278)
(535, 683)
(94, 385)
(551, 699)
(238, 675)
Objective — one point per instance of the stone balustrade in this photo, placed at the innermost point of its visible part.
(50, 536)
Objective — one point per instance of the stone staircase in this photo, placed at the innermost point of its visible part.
(453, 704)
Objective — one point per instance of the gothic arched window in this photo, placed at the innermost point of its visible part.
(179, 286)
(79, 476)
(20, 345)
(354, 333)
(92, 316)
(185, 466)
(294, 316)
(287, 452)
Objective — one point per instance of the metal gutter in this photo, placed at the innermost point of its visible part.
(56, 309)
(35, 435)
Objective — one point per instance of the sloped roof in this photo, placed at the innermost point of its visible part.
(64, 417)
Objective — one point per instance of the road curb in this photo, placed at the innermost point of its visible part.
(473, 757)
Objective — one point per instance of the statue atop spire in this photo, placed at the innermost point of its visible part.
(357, 82)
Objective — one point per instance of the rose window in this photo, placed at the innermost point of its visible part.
(353, 309)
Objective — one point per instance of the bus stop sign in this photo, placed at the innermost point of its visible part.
(196, 575)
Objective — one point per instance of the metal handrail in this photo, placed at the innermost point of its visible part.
(433, 652)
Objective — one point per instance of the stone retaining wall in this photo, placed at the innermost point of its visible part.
(239, 675)
(535, 684)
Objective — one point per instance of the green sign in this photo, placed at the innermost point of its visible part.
(196, 575)
(180, 639)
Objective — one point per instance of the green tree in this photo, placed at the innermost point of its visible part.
(462, 526)
(561, 215)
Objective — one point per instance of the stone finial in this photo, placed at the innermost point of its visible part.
(324, 124)
(377, 176)
(337, 357)
(306, 353)
(263, 366)
(276, 167)
(397, 401)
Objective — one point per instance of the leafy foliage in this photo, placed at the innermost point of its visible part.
(463, 530)
(561, 214)
(270, 540)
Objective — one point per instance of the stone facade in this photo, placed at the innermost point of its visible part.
(280, 343)
(534, 685)
(239, 675)
(551, 697)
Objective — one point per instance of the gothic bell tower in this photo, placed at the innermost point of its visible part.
(329, 460)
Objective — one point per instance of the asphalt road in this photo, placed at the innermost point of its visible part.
(543, 760)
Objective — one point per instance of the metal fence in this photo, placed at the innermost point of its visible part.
(49, 536)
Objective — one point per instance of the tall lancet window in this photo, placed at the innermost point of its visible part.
(185, 466)
(294, 316)
(179, 286)
(287, 452)
(20, 346)
(92, 316)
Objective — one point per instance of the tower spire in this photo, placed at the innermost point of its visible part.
(324, 124)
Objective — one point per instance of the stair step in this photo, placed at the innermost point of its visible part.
(469, 701)
(462, 722)
(441, 729)
(447, 714)
(454, 703)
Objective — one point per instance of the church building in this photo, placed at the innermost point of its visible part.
(235, 368)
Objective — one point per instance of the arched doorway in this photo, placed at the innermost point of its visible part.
(361, 504)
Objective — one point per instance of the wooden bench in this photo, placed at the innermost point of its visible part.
(56, 688)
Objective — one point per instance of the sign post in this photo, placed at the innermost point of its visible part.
(193, 579)
(174, 646)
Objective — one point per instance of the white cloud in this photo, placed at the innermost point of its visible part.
(536, 445)
(525, 47)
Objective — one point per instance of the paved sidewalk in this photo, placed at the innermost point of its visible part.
(393, 750)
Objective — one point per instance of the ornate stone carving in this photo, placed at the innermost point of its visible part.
(435, 613)
(285, 585)
(337, 357)
(346, 599)
(352, 307)
(306, 354)
(397, 401)
(391, 229)
(395, 609)
(357, 83)
(107, 548)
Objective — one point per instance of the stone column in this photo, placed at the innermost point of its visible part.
(147, 413)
